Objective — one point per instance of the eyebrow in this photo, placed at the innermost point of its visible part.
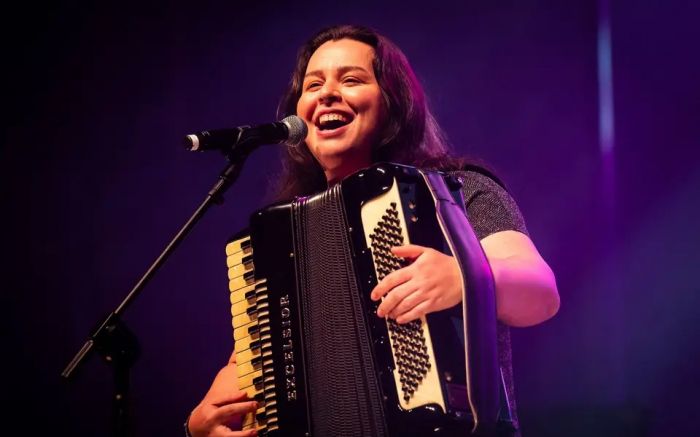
(341, 70)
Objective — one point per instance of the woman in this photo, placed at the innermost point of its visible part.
(363, 104)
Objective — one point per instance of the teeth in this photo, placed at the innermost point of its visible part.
(332, 117)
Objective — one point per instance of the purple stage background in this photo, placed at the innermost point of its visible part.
(95, 183)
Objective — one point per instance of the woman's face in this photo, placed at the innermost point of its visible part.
(343, 107)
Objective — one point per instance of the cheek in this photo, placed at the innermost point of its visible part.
(304, 108)
(377, 111)
(371, 103)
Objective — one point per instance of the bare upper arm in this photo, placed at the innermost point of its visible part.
(510, 244)
(526, 289)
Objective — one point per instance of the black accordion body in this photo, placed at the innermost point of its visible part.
(309, 345)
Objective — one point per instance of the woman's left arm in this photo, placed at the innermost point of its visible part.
(526, 291)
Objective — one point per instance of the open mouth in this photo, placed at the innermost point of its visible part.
(332, 121)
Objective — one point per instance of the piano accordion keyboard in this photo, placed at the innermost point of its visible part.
(251, 334)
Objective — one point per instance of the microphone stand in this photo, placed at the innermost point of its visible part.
(112, 339)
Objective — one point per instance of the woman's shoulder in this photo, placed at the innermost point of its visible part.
(478, 176)
(489, 205)
(472, 174)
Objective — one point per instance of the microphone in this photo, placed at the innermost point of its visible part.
(290, 131)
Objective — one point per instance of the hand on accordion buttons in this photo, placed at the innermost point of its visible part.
(431, 282)
(221, 411)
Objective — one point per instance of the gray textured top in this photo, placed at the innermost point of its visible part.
(491, 209)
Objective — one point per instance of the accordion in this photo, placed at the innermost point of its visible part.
(309, 345)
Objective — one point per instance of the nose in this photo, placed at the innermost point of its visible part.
(329, 94)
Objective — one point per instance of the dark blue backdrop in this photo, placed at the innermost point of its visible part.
(95, 183)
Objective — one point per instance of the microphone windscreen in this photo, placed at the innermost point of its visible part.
(297, 130)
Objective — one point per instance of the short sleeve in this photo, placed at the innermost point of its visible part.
(490, 208)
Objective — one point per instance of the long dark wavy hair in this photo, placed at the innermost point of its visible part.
(411, 136)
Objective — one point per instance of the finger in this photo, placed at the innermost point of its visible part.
(221, 399)
(397, 295)
(407, 304)
(408, 250)
(416, 313)
(238, 409)
(249, 432)
(225, 383)
(229, 433)
(393, 279)
(232, 359)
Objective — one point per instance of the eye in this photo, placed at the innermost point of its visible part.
(312, 85)
(351, 80)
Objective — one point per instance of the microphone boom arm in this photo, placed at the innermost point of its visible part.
(112, 338)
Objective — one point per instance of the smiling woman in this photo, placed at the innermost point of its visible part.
(405, 130)
(343, 106)
(363, 104)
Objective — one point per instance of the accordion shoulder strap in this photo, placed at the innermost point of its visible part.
(478, 305)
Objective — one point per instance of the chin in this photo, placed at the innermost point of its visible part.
(338, 168)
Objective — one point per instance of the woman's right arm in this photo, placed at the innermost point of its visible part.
(221, 411)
